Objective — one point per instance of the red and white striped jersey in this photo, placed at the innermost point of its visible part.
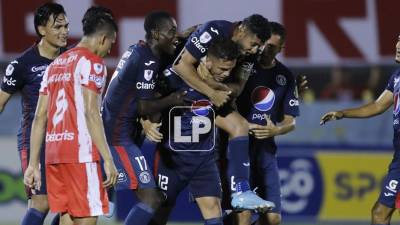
(67, 136)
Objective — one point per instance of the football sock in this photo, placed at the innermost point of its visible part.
(239, 163)
(213, 221)
(140, 214)
(33, 217)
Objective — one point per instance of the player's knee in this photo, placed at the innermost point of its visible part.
(238, 128)
(274, 219)
(379, 215)
(40, 203)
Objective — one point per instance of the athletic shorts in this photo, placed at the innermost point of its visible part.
(76, 189)
(390, 186)
(175, 172)
(133, 170)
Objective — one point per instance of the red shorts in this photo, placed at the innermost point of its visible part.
(76, 189)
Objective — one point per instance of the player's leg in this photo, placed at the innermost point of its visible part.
(38, 206)
(238, 166)
(383, 209)
(168, 180)
(205, 186)
(135, 174)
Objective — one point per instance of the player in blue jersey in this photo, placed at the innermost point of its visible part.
(24, 75)
(269, 102)
(386, 204)
(131, 96)
(250, 35)
(191, 163)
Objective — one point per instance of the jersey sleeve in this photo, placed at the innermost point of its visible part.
(390, 85)
(92, 73)
(13, 79)
(200, 40)
(291, 99)
(43, 85)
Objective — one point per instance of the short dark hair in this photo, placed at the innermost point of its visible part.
(224, 48)
(98, 18)
(279, 29)
(258, 25)
(154, 20)
(43, 13)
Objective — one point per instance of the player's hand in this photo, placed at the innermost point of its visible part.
(331, 116)
(263, 132)
(151, 130)
(178, 98)
(32, 178)
(302, 83)
(218, 98)
(111, 173)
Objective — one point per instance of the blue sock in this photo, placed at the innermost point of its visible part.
(239, 162)
(33, 217)
(148, 150)
(213, 221)
(56, 220)
(140, 214)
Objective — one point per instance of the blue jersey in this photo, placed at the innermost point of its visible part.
(394, 87)
(201, 39)
(134, 79)
(268, 93)
(24, 74)
(199, 107)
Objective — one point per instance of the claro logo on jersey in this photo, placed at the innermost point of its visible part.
(146, 86)
(262, 99)
(64, 136)
(198, 45)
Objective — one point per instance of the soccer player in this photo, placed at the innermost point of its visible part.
(25, 74)
(179, 164)
(131, 96)
(385, 205)
(69, 97)
(250, 35)
(269, 101)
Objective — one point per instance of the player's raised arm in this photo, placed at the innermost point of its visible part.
(185, 68)
(379, 106)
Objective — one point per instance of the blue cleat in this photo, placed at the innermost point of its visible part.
(249, 200)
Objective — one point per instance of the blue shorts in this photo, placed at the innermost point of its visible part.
(24, 157)
(133, 170)
(175, 172)
(390, 185)
(264, 175)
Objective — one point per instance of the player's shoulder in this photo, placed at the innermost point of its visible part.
(23, 61)
(284, 70)
(139, 52)
(217, 27)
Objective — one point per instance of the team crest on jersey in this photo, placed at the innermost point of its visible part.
(281, 80)
(201, 107)
(148, 74)
(167, 72)
(205, 37)
(98, 68)
(263, 98)
(122, 177)
(9, 70)
(145, 177)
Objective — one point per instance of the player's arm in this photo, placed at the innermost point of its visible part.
(377, 107)
(4, 97)
(185, 68)
(271, 130)
(96, 131)
(32, 176)
(148, 107)
(240, 76)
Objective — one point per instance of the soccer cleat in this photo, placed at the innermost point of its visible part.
(249, 200)
(111, 210)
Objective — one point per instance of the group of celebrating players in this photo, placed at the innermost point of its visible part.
(220, 72)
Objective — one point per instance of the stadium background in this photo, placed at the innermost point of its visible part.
(329, 174)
